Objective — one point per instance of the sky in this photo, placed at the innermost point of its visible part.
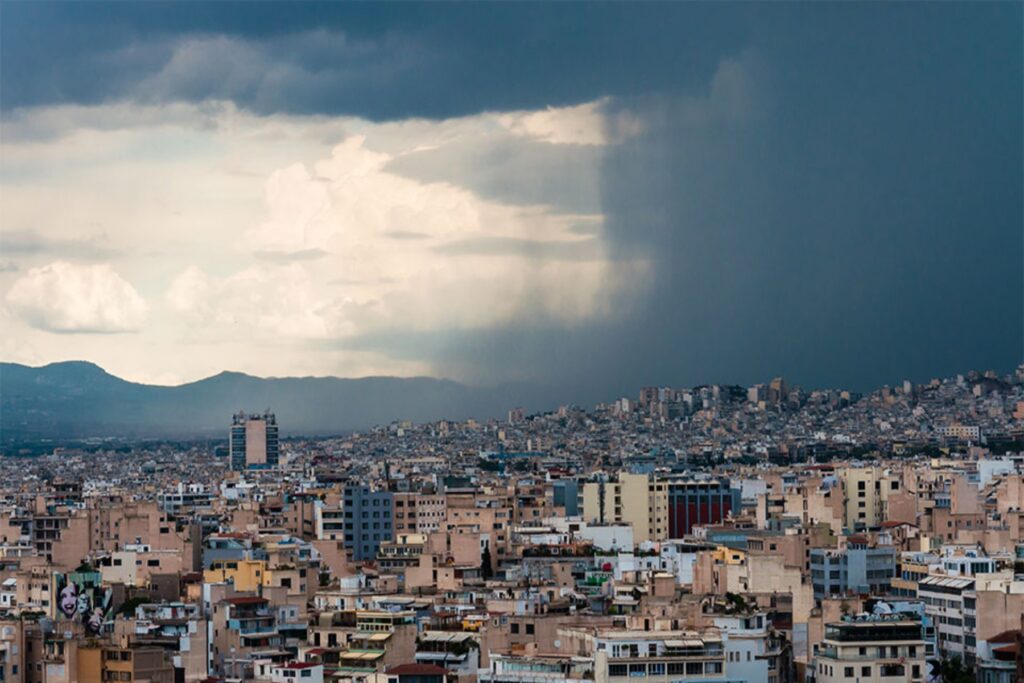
(594, 196)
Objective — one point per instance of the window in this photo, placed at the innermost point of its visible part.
(515, 629)
(865, 671)
(848, 672)
(529, 629)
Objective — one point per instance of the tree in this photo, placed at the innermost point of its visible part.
(485, 563)
(127, 609)
(951, 670)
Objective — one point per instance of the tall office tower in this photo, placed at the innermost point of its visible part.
(253, 442)
(777, 391)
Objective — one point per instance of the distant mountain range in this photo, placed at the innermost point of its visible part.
(77, 399)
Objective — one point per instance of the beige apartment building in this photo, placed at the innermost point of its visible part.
(634, 499)
(866, 492)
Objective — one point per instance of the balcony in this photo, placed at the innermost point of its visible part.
(833, 654)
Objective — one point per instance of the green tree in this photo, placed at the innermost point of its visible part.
(952, 670)
(485, 563)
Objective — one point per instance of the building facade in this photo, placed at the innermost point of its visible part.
(253, 442)
(368, 520)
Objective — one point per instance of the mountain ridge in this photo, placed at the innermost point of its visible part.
(79, 399)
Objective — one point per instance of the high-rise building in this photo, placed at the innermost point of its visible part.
(254, 443)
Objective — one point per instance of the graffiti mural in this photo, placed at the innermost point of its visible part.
(82, 597)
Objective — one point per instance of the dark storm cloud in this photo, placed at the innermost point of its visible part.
(831, 192)
(840, 203)
(378, 60)
(851, 211)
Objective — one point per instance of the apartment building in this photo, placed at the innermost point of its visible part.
(634, 499)
(623, 656)
(950, 603)
(866, 491)
(857, 568)
(871, 650)
(368, 520)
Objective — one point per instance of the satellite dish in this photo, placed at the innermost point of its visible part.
(558, 643)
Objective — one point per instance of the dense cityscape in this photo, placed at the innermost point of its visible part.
(511, 342)
(718, 533)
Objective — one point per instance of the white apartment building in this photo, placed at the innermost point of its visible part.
(950, 601)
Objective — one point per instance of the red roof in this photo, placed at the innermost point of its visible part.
(301, 665)
(417, 670)
(891, 524)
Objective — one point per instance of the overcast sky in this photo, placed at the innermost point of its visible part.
(601, 196)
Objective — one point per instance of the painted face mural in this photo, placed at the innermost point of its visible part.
(94, 621)
(83, 602)
(69, 600)
(83, 598)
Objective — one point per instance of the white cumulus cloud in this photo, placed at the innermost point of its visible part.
(288, 244)
(582, 124)
(68, 297)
